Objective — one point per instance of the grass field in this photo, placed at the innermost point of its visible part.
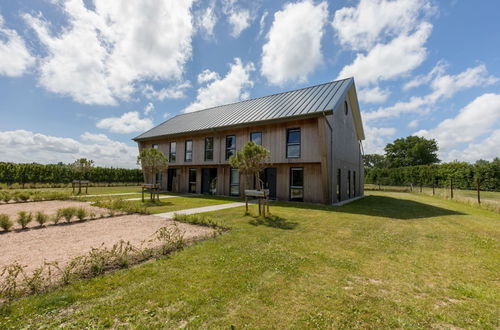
(391, 260)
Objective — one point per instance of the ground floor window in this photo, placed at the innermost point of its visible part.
(296, 183)
(158, 178)
(349, 184)
(192, 180)
(339, 190)
(354, 182)
(234, 182)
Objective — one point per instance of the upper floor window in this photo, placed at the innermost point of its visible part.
(209, 148)
(154, 146)
(230, 146)
(293, 143)
(188, 151)
(256, 137)
(172, 153)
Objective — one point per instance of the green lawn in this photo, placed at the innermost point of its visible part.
(391, 260)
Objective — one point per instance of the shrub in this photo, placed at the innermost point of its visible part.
(81, 213)
(6, 197)
(57, 216)
(196, 219)
(24, 219)
(24, 196)
(92, 215)
(68, 213)
(41, 218)
(5, 222)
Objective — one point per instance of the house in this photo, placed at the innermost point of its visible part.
(314, 135)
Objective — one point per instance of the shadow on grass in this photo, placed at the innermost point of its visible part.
(274, 222)
(382, 206)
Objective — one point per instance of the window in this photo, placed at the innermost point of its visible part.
(234, 182)
(188, 150)
(256, 137)
(192, 180)
(154, 146)
(158, 178)
(293, 143)
(339, 190)
(354, 183)
(230, 146)
(172, 152)
(346, 108)
(209, 148)
(297, 184)
(349, 184)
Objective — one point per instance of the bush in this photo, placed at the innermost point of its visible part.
(196, 219)
(57, 216)
(81, 213)
(5, 222)
(24, 219)
(24, 196)
(41, 218)
(121, 205)
(68, 213)
(6, 197)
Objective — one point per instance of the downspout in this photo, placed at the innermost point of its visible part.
(331, 152)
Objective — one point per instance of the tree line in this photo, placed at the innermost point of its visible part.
(11, 173)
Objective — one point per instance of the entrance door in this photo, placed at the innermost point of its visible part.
(269, 179)
(208, 181)
(172, 173)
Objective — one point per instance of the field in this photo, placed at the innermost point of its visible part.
(391, 260)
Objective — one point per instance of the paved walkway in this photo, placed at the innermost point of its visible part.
(170, 215)
(146, 196)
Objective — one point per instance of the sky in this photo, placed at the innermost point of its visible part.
(81, 78)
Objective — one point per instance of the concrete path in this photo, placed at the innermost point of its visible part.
(147, 197)
(170, 215)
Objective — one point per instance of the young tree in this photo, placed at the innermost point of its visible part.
(80, 169)
(374, 161)
(152, 162)
(411, 151)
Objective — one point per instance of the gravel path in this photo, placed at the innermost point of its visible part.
(169, 215)
(64, 242)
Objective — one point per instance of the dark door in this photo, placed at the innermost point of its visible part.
(269, 180)
(171, 172)
(208, 180)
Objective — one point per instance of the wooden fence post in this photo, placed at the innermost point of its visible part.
(478, 192)
(451, 188)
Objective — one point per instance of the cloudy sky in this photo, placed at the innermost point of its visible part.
(80, 78)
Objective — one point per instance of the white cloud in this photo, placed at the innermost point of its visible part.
(373, 21)
(26, 146)
(443, 86)
(484, 149)
(476, 119)
(438, 70)
(262, 23)
(232, 88)
(377, 138)
(172, 92)
(413, 123)
(102, 53)
(240, 20)
(389, 61)
(293, 47)
(149, 108)
(206, 20)
(15, 58)
(129, 122)
(373, 95)
(207, 75)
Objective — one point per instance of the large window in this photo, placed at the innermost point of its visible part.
(234, 182)
(296, 184)
(339, 190)
(188, 150)
(209, 148)
(256, 137)
(154, 146)
(172, 152)
(192, 180)
(349, 184)
(293, 143)
(230, 146)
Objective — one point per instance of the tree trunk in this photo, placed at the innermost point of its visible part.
(433, 191)
(478, 192)
(451, 188)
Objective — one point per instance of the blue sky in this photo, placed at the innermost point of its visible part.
(81, 78)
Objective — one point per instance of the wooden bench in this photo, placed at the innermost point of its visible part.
(262, 196)
(80, 183)
(152, 189)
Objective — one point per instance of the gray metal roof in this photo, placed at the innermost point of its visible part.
(297, 103)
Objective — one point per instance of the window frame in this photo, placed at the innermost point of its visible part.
(230, 149)
(186, 152)
(346, 108)
(154, 146)
(339, 185)
(234, 184)
(209, 150)
(288, 144)
(190, 182)
(261, 136)
(349, 191)
(290, 186)
(170, 153)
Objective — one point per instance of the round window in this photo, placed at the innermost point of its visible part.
(346, 108)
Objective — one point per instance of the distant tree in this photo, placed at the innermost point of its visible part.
(411, 151)
(80, 169)
(374, 161)
(152, 162)
(250, 161)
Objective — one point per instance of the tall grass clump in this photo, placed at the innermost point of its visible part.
(24, 218)
(81, 213)
(68, 213)
(41, 218)
(197, 219)
(5, 222)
